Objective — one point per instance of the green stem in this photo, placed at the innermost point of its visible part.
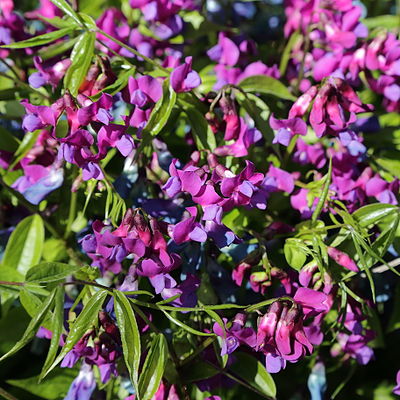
(145, 319)
(132, 50)
(71, 214)
(11, 68)
(7, 283)
(18, 82)
(290, 149)
(116, 54)
(198, 350)
(243, 383)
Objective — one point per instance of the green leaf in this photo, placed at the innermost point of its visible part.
(254, 373)
(387, 21)
(373, 213)
(83, 322)
(57, 48)
(54, 250)
(130, 336)
(294, 253)
(33, 326)
(153, 368)
(259, 113)
(324, 195)
(116, 86)
(30, 302)
(27, 143)
(55, 387)
(198, 370)
(9, 274)
(50, 272)
(8, 141)
(40, 40)
(202, 133)
(266, 85)
(24, 248)
(67, 9)
(184, 326)
(81, 58)
(362, 261)
(390, 163)
(56, 329)
(288, 50)
(161, 111)
(365, 217)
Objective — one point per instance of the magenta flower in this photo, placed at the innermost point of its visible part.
(335, 107)
(342, 259)
(247, 137)
(236, 335)
(226, 52)
(396, 389)
(183, 78)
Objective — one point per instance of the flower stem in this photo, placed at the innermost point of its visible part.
(132, 50)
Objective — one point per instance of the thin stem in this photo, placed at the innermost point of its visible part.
(145, 319)
(6, 395)
(71, 214)
(198, 350)
(10, 67)
(19, 82)
(12, 283)
(116, 54)
(132, 50)
(95, 284)
(243, 383)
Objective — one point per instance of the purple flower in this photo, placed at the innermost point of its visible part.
(226, 52)
(83, 385)
(396, 389)
(238, 334)
(287, 128)
(187, 291)
(342, 259)
(183, 78)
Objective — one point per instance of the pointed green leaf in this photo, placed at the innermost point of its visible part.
(33, 326)
(67, 9)
(130, 336)
(81, 58)
(266, 85)
(153, 368)
(202, 133)
(254, 373)
(161, 111)
(372, 213)
(324, 194)
(287, 52)
(50, 272)
(56, 328)
(184, 326)
(40, 40)
(83, 322)
(24, 248)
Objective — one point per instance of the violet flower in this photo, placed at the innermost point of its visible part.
(183, 78)
(287, 128)
(83, 385)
